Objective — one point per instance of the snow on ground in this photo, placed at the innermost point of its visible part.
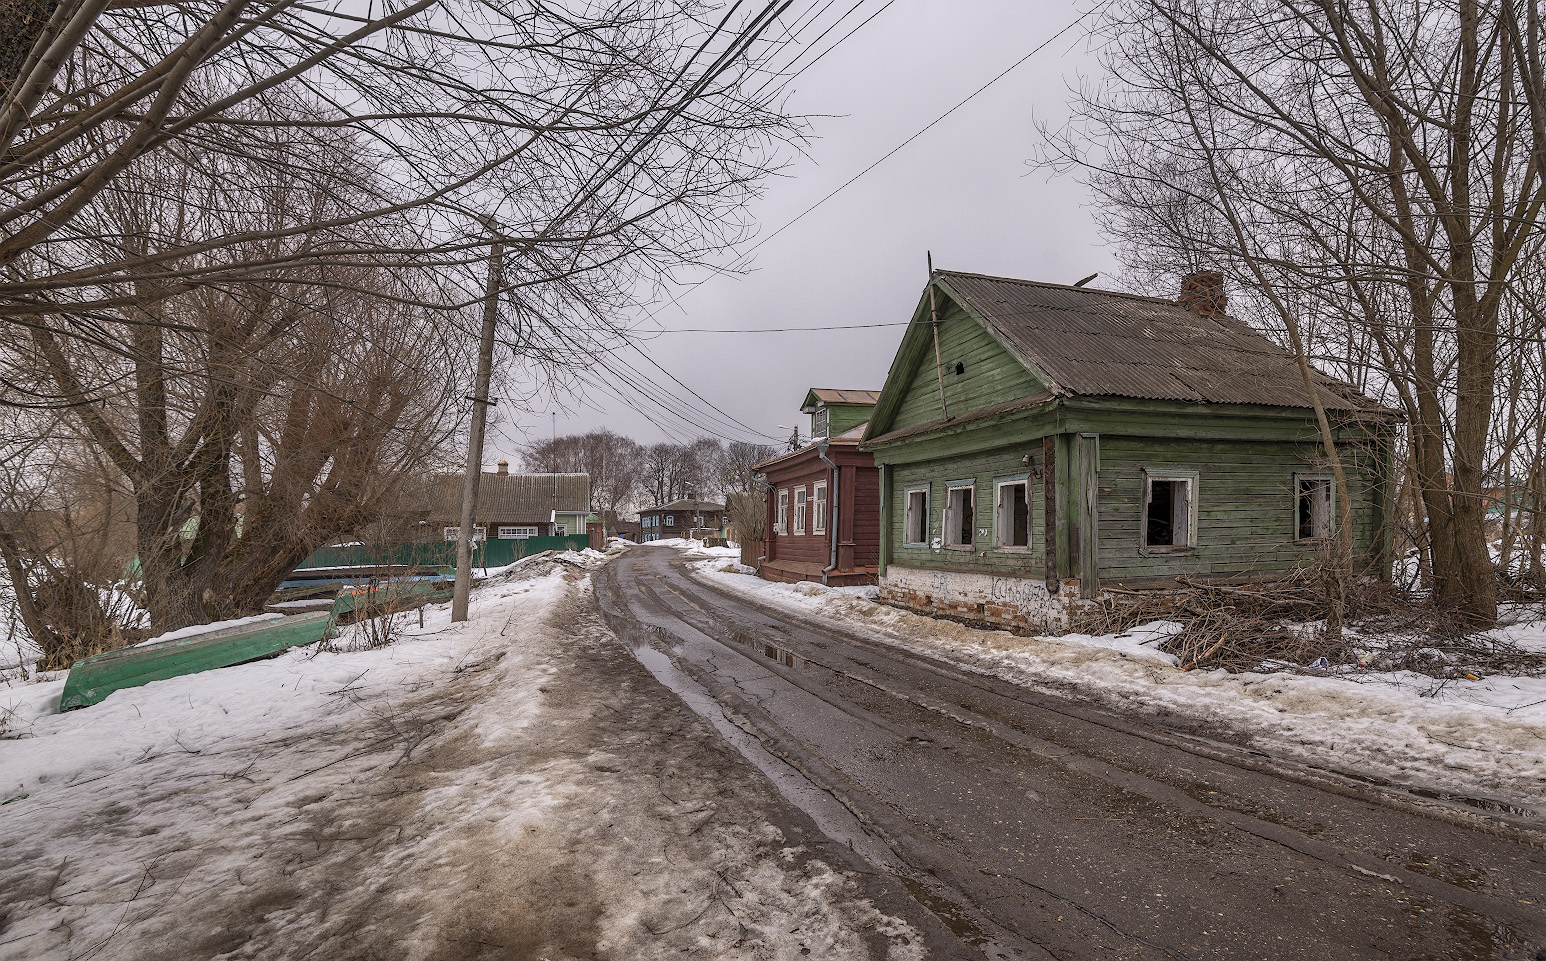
(491, 789)
(198, 629)
(1484, 739)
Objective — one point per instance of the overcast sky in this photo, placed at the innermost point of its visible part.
(965, 190)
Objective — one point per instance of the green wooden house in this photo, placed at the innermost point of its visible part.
(1039, 443)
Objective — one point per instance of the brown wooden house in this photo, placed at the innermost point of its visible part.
(824, 499)
(684, 518)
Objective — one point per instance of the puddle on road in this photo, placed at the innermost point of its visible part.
(772, 652)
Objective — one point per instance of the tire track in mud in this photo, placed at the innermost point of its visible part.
(1475, 920)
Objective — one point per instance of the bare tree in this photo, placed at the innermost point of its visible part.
(193, 192)
(611, 460)
(734, 470)
(1372, 172)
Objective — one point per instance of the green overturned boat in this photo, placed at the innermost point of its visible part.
(94, 678)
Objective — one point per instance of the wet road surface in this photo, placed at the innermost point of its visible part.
(1034, 826)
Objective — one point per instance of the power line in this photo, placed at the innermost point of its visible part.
(777, 330)
(740, 260)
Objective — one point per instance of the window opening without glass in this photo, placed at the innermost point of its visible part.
(917, 519)
(1167, 512)
(1313, 508)
(960, 517)
(1014, 514)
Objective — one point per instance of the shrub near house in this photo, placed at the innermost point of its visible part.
(1069, 439)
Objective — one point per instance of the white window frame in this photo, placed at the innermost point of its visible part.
(821, 422)
(819, 508)
(1192, 479)
(802, 498)
(560, 530)
(921, 515)
(514, 532)
(950, 523)
(1001, 533)
(781, 526)
(670, 520)
(1331, 505)
(451, 533)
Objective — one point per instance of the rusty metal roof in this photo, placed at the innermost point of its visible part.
(831, 395)
(1101, 343)
(511, 497)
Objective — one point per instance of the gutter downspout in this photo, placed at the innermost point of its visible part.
(832, 502)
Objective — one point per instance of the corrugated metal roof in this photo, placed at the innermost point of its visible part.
(1102, 343)
(511, 497)
(832, 395)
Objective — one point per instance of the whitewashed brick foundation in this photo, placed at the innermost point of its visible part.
(1019, 604)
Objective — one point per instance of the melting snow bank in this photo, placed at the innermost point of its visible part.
(515, 785)
(1483, 739)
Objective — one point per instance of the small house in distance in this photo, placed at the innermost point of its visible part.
(1041, 442)
(823, 502)
(688, 517)
(510, 506)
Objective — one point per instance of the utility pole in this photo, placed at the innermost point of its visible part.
(480, 405)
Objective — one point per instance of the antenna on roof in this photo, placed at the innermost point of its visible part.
(1087, 279)
(939, 371)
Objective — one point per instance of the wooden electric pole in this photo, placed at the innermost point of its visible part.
(480, 404)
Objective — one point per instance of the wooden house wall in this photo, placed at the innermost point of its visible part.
(866, 516)
(1245, 508)
(1245, 505)
(987, 469)
(845, 417)
(797, 546)
(990, 373)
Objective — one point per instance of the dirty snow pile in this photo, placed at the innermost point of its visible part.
(408, 801)
(1481, 739)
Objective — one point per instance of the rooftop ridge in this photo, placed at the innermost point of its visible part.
(1042, 283)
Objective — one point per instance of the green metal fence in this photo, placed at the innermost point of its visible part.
(441, 554)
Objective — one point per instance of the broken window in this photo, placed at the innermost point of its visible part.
(1313, 513)
(1014, 514)
(799, 511)
(819, 508)
(782, 527)
(960, 516)
(1167, 511)
(917, 520)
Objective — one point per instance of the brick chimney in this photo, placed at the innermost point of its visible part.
(504, 468)
(1202, 293)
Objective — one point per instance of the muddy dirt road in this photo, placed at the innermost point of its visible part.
(1038, 827)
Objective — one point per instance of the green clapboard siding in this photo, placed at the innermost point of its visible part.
(95, 677)
(845, 417)
(986, 469)
(1245, 505)
(991, 374)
